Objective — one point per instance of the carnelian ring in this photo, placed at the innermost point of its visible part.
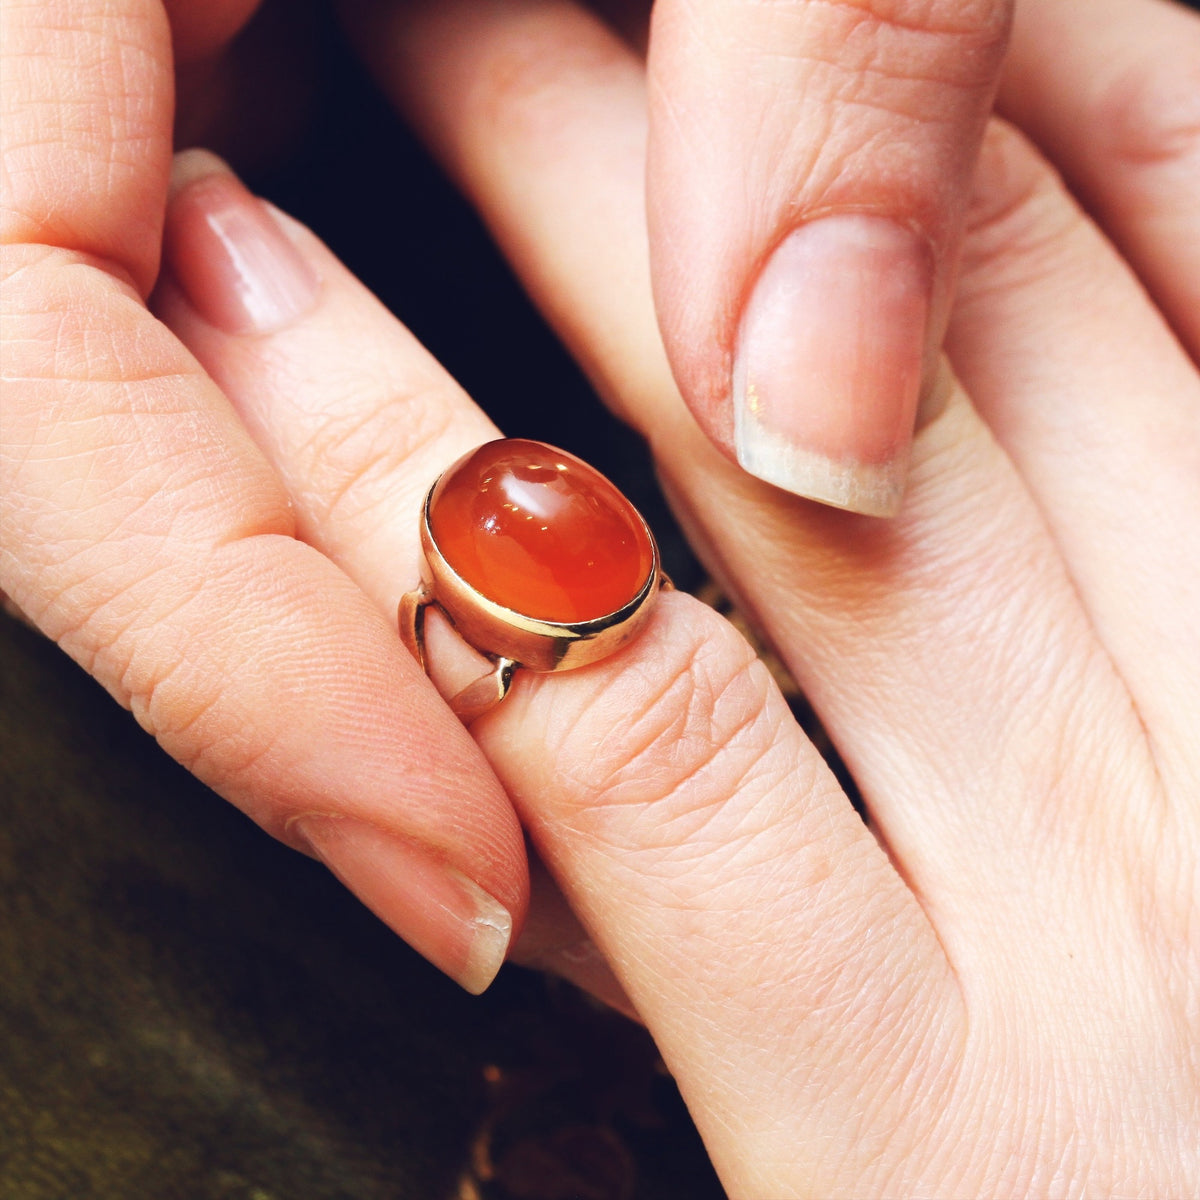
(536, 559)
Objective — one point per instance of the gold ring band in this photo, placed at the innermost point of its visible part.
(494, 576)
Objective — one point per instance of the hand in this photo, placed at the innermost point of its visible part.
(809, 172)
(992, 990)
(144, 530)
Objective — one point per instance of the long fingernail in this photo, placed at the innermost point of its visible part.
(437, 910)
(228, 252)
(827, 372)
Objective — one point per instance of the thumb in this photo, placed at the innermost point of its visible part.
(808, 177)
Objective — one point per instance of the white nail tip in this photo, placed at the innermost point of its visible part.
(873, 489)
(489, 945)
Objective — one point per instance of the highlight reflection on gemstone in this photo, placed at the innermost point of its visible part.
(540, 532)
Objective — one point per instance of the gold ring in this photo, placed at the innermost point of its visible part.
(537, 561)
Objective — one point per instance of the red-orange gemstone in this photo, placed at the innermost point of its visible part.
(538, 531)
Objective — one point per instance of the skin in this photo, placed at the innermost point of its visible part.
(992, 989)
(147, 533)
(771, 121)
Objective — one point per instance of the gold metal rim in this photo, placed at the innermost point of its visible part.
(508, 638)
(500, 632)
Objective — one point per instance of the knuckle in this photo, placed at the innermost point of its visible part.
(198, 656)
(681, 746)
(980, 25)
(1020, 220)
(171, 703)
(990, 19)
(1150, 115)
(931, 40)
(135, 640)
(358, 454)
(869, 102)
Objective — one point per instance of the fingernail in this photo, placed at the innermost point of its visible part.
(228, 252)
(827, 372)
(438, 911)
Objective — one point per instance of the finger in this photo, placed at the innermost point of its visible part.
(788, 977)
(809, 165)
(1097, 405)
(672, 747)
(95, 183)
(354, 412)
(357, 436)
(553, 940)
(877, 621)
(483, 82)
(1111, 93)
(145, 532)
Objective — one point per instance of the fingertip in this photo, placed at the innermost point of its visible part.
(438, 910)
(805, 218)
(192, 164)
(229, 252)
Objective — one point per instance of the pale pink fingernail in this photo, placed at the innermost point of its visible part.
(827, 373)
(437, 910)
(229, 254)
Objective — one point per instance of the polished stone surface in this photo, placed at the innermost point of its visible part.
(539, 531)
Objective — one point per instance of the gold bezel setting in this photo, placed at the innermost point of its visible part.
(511, 639)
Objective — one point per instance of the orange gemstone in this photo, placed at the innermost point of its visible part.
(540, 532)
